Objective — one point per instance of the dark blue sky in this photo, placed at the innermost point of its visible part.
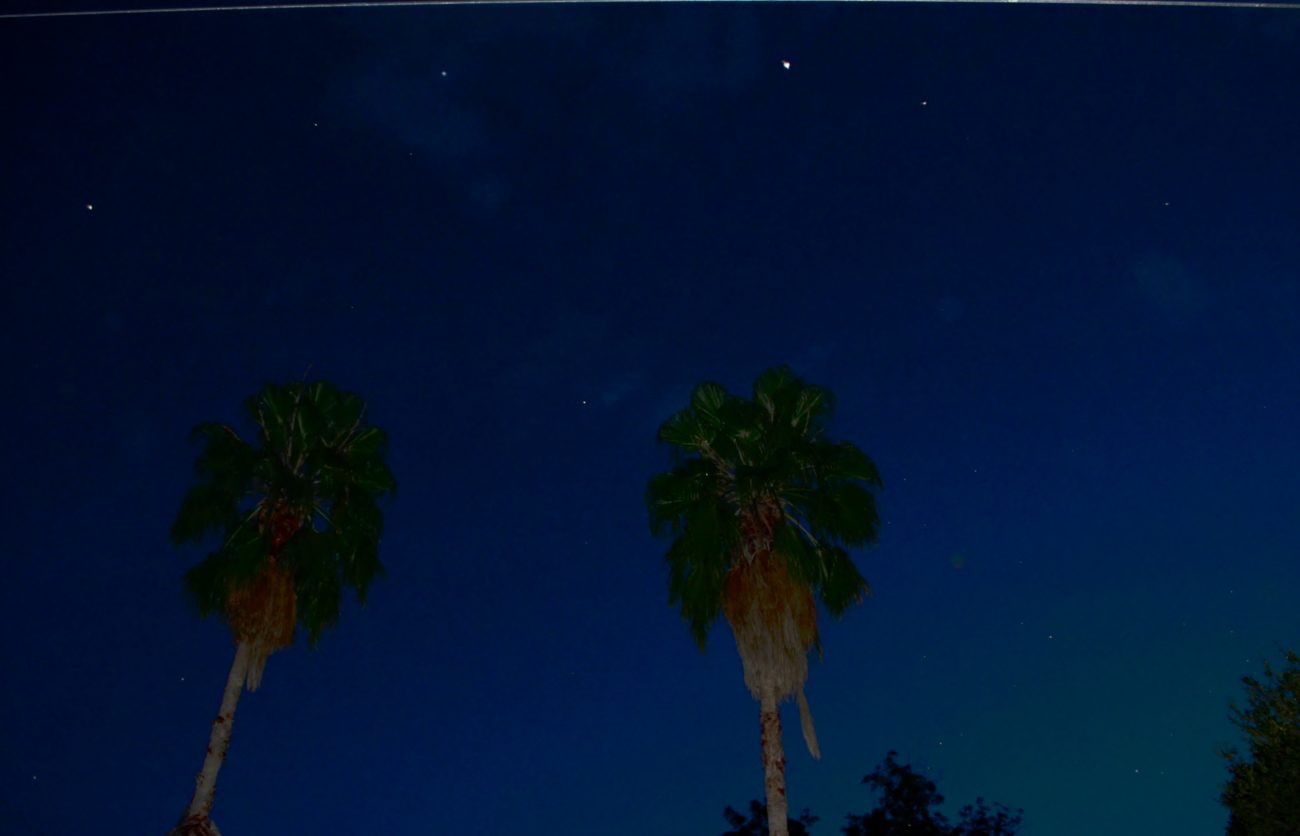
(1046, 257)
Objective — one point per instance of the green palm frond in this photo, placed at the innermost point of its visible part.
(205, 508)
(842, 584)
(669, 496)
(842, 460)
(709, 404)
(313, 558)
(843, 513)
(225, 468)
(234, 564)
(359, 523)
(695, 574)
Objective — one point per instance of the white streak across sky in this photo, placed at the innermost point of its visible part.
(371, 4)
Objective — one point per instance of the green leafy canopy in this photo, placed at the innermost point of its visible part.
(314, 457)
(771, 449)
(1262, 793)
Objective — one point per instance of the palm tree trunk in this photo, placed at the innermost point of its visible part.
(778, 806)
(195, 822)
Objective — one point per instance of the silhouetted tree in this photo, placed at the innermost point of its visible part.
(905, 806)
(1263, 791)
(905, 802)
(756, 824)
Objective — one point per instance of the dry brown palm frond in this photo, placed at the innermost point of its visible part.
(773, 618)
(806, 723)
(264, 614)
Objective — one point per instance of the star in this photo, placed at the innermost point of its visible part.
(785, 64)
(90, 207)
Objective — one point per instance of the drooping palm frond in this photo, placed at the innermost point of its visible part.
(227, 469)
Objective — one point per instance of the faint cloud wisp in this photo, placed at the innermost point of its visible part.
(1170, 291)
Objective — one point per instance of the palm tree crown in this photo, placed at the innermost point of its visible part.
(296, 512)
(762, 508)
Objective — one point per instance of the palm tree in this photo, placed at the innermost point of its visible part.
(762, 508)
(297, 515)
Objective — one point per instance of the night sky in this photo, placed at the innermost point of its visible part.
(1047, 259)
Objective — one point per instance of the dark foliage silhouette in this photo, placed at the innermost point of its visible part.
(1263, 791)
(905, 809)
(756, 824)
